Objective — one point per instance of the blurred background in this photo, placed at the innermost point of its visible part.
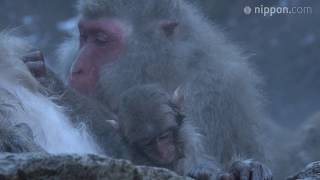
(285, 47)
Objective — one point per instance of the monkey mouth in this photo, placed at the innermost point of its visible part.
(84, 82)
(81, 85)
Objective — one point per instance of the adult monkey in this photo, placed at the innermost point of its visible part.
(122, 44)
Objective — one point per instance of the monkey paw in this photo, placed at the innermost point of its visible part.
(202, 172)
(250, 170)
(35, 62)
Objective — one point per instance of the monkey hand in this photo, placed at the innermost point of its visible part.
(249, 170)
(203, 172)
(35, 62)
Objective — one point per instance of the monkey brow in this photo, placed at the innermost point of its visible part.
(138, 141)
(170, 129)
(148, 141)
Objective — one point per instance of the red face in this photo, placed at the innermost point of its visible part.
(101, 41)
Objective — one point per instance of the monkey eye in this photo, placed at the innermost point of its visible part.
(166, 135)
(145, 143)
(101, 39)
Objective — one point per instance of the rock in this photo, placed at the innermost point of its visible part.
(38, 166)
(310, 172)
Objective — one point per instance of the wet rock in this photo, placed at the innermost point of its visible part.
(38, 166)
(310, 172)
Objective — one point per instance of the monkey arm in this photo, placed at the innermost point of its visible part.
(228, 121)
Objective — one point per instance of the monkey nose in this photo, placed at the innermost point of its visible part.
(77, 71)
(76, 74)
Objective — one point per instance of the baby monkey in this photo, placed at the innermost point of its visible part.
(152, 125)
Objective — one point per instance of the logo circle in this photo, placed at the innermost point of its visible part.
(247, 10)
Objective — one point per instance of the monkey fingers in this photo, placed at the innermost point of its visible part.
(200, 172)
(200, 175)
(225, 176)
(34, 55)
(35, 62)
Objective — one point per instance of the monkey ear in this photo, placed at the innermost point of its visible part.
(169, 27)
(114, 124)
(178, 98)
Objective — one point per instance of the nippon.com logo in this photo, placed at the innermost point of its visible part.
(273, 10)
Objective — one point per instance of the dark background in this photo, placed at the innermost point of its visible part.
(285, 47)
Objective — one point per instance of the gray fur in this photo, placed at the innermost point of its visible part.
(26, 108)
(81, 109)
(93, 115)
(15, 136)
(66, 51)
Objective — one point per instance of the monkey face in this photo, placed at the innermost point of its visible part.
(150, 123)
(161, 149)
(100, 43)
